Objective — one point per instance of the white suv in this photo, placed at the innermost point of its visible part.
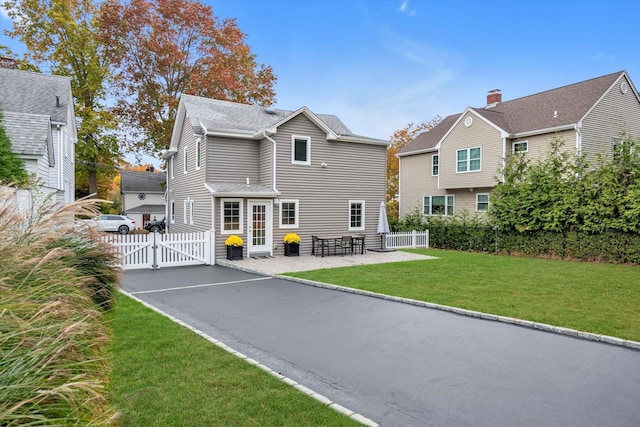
(119, 223)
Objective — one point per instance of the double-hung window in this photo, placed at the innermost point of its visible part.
(438, 205)
(468, 159)
(300, 150)
(621, 147)
(231, 216)
(356, 215)
(289, 214)
(482, 202)
(173, 211)
(435, 165)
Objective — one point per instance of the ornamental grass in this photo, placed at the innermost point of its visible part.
(56, 281)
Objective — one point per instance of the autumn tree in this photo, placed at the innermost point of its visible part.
(61, 35)
(399, 140)
(161, 49)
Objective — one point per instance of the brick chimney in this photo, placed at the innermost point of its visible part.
(6, 62)
(494, 97)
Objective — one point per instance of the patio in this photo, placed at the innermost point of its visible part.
(280, 264)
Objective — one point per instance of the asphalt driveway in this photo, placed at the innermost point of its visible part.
(398, 364)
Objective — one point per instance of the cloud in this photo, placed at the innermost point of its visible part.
(404, 8)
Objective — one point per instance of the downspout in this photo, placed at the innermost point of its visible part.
(273, 168)
(213, 196)
(579, 138)
(504, 155)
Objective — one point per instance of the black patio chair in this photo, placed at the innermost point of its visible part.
(344, 245)
(318, 245)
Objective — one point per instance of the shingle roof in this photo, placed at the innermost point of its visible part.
(33, 142)
(550, 109)
(146, 209)
(141, 182)
(429, 139)
(231, 116)
(35, 93)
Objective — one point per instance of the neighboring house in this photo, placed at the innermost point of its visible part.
(262, 173)
(455, 165)
(143, 195)
(40, 122)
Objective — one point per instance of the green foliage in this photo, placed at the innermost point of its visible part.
(53, 369)
(12, 170)
(562, 193)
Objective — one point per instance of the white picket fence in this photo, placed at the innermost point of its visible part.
(410, 239)
(155, 250)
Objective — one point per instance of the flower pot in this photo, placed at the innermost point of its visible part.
(291, 249)
(234, 253)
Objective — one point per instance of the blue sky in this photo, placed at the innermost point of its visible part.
(381, 64)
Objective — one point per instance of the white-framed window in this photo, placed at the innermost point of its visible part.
(184, 213)
(435, 165)
(231, 216)
(482, 202)
(300, 150)
(520, 147)
(289, 213)
(191, 208)
(173, 212)
(620, 147)
(171, 166)
(186, 159)
(356, 215)
(438, 205)
(468, 160)
(198, 153)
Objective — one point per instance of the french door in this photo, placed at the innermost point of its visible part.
(260, 223)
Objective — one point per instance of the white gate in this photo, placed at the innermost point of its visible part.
(155, 250)
(411, 239)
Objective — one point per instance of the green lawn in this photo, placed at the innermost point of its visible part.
(598, 298)
(166, 375)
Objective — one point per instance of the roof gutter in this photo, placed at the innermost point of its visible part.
(541, 131)
(423, 151)
(274, 162)
(344, 138)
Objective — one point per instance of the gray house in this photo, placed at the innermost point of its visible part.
(142, 195)
(262, 173)
(40, 122)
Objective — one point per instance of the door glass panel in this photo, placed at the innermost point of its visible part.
(259, 225)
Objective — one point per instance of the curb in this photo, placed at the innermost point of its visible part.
(607, 339)
(319, 397)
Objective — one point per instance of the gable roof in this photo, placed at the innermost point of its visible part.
(225, 118)
(427, 141)
(29, 134)
(552, 109)
(35, 93)
(141, 182)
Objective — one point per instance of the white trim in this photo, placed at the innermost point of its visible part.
(184, 203)
(446, 205)
(268, 245)
(468, 160)
(171, 166)
(191, 211)
(198, 153)
(433, 157)
(185, 162)
(514, 143)
(240, 230)
(362, 218)
(297, 213)
(172, 214)
(293, 150)
(478, 202)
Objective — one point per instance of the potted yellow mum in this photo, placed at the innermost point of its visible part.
(234, 247)
(291, 244)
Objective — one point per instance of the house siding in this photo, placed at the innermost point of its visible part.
(479, 134)
(615, 113)
(416, 182)
(539, 144)
(189, 186)
(266, 163)
(353, 172)
(232, 160)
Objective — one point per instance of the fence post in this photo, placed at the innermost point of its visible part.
(154, 249)
(210, 247)
(414, 239)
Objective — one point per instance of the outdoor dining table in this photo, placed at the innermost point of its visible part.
(332, 241)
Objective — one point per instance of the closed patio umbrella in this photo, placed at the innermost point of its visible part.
(383, 224)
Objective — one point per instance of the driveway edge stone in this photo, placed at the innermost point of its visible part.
(317, 396)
